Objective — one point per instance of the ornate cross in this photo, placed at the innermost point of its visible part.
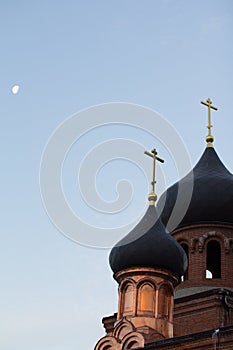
(153, 154)
(209, 137)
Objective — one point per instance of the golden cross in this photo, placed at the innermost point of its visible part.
(153, 154)
(209, 137)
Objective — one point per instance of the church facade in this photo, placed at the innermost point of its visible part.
(176, 282)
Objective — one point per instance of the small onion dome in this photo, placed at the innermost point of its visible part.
(211, 200)
(149, 245)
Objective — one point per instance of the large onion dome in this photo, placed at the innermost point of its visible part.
(211, 200)
(149, 245)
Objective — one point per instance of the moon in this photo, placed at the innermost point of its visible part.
(15, 89)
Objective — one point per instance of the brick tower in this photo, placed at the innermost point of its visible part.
(147, 264)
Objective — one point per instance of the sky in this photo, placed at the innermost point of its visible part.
(66, 57)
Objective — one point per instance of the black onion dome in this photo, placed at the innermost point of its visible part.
(149, 245)
(211, 200)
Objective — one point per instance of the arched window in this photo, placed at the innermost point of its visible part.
(146, 298)
(128, 298)
(213, 259)
(186, 249)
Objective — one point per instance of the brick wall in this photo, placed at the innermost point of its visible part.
(196, 238)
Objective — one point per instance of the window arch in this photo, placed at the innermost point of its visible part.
(213, 259)
(128, 298)
(146, 298)
(186, 249)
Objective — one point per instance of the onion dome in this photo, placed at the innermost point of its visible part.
(149, 245)
(211, 200)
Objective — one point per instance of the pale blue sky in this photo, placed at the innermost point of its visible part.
(69, 55)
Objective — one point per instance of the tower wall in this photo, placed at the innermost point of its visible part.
(208, 247)
(202, 301)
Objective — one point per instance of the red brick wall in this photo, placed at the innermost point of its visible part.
(197, 311)
(202, 311)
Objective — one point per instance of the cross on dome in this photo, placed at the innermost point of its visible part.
(153, 154)
(209, 137)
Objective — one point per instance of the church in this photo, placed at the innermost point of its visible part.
(176, 282)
